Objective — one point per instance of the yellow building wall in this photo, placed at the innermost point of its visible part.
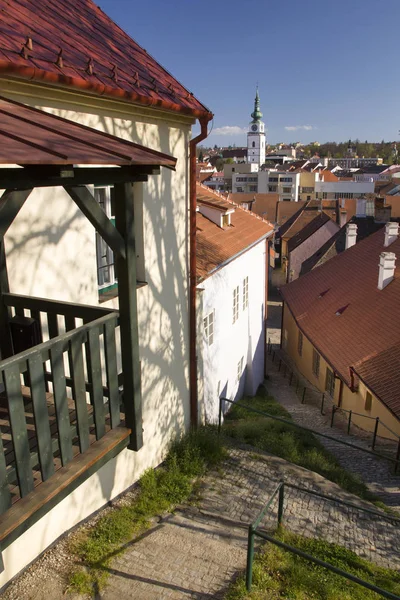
(354, 401)
(307, 180)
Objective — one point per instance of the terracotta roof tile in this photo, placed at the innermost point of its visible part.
(216, 245)
(381, 374)
(96, 54)
(369, 325)
(265, 205)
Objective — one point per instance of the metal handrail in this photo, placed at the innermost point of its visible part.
(396, 460)
(335, 407)
(253, 532)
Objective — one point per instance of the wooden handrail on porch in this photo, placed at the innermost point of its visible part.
(63, 426)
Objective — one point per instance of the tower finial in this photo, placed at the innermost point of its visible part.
(256, 114)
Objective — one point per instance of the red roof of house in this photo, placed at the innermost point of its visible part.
(381, 374)
(78, 45)
(368, 323)
(215, 245)
(30, 137)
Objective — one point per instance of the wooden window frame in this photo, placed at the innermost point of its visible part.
(102, 249)
(235, 304)
(316, 363)
(245, 292)
(330, 382)
(368, 401)
(208, 323)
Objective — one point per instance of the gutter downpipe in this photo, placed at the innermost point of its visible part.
(192, 267)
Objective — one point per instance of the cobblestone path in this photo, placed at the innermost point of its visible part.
(376, 473)
(195, 552)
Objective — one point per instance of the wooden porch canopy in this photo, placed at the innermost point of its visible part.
(45, 150)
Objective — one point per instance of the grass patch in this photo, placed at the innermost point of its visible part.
(159, 491)
(281, 574)
(290, 443)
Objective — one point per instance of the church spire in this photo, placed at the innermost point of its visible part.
(256, 114)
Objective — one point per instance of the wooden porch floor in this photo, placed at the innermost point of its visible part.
(6, 435)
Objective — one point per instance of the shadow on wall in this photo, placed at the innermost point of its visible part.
(163, 305)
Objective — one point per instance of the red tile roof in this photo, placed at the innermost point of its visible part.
(370, 323)
(304, 216)
(381, 374)
(78, 45)
(215, 245)
(30, 137)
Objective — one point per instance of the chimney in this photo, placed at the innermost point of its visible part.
(391, 233)
(342, 218)
(351, 235)
(387, 266)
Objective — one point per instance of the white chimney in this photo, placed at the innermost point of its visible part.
(391, 233)
(387, 265)
(351, 235)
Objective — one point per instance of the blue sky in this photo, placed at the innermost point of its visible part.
(328, 69)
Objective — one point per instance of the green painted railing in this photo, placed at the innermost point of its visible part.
(293, 377)
(254, 532)
(79, 369)
(395, 461)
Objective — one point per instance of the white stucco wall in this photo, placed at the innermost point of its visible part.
(344, 187)
(51, 253)
(232, 341)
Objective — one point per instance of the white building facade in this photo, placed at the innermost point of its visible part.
(232, 307)
(335, 190)
(53, 254)
(284, 183)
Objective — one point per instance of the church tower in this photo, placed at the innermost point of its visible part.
(256, 136)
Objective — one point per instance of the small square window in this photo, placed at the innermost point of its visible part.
(300, 344)
(245, 293)
(316, 362)
(235, 304)
(208, 322)
(368, 401)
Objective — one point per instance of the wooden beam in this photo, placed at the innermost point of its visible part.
(27, 511)
(98, 218)
(39, 176)
(6, 348)
(11, 203)
(124, 218)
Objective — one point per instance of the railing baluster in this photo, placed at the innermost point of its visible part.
(16, 410)
(96, 377)
(81, 406)
(5, 494)
(41, 414)
(52, 322)
(110, 350)
(70, 325)
(61, 403)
